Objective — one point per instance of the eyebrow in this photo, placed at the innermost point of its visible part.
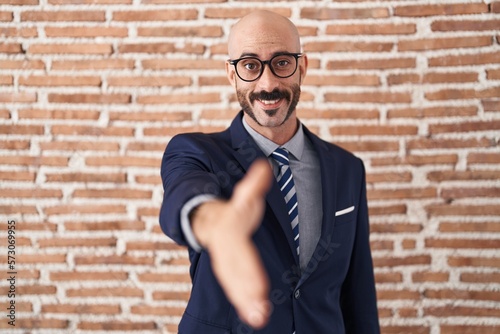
(251, 54)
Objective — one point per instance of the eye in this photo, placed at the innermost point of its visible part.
(250, 65)
(282, 63)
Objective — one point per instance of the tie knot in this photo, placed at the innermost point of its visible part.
(281, 156)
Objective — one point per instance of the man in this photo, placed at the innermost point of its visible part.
(272, 250)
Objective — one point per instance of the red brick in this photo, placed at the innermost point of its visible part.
(179, 98)
(52, 80)
(146, 146)
(77, 242)
(461, 311)
(112, 193)
(465, 59)
(164, 277)
(397, 295)
(80, 32)
(388, 277)
(11, 48)
(18, 176)
(483, 158)
(124, 161)
(395, 228)
(31, 193)
(407, 193)
(455, 193)
(305, 113)
(6, 80)
(371, 29)
(462, 243)
(421, 113)
(469, 227)
(429, 144)
(464, 127)
(41, 258)
(341, 80)
(149, 81)
(79, 146)
(228, 13)
(377, 64)
(341, 46)
(377, 245)
(155, 15)
(394, 261)
(417, 160)
(465, 25)
(88, 48)
(88, 276)
(439, 176)
(157, 310)
(114, 325)
(182, 64)
(18, 209)
(98, 64)
(493, 74)
(171, 295)
(343, 13)
(92, 131)
(6, 16)
(82, 309)
(113, 259)
(468, 329)
(105, 226)
(122, 292)
(62, 16)
(23, 97)
(491, 105)
(90, 2)
(89, 98)
(86, 177)
(444, 43)
(22, 64)
(144, 116)
(480, 278)
(36, 130)
(205, 31)
(84, 209)
(369, 130)
(388, 177)
(35, 161)
(39, 323)
(462, 210)
(405, 329)
(430, 276)
(462, 294)
(445, 9)
(143, 245)
(369, 97)
(387, 210)
(462, 94)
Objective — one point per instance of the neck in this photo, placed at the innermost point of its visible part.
(277, 134)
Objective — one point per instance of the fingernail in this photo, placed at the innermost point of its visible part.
(255, 319)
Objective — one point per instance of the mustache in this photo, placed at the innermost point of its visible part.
(276, 94)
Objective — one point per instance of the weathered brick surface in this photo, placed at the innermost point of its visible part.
(91, 91)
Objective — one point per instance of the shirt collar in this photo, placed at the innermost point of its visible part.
(295, 145)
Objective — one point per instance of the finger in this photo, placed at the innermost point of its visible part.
(257, 181)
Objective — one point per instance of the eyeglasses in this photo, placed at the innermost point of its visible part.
(282, 65)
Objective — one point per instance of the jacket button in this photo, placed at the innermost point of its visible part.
(297, 294)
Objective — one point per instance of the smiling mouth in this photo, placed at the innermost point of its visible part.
(269, 102)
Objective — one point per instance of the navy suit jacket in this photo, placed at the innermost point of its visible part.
(334, 294)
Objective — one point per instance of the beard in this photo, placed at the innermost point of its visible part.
(291, 97)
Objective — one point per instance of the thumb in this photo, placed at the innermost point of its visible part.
(256, 182)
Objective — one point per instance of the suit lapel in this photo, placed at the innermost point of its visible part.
(245, 152)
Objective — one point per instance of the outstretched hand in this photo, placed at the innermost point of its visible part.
(225, 229)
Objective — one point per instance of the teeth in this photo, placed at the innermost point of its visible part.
(268, 102)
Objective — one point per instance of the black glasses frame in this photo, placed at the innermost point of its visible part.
(263, 63)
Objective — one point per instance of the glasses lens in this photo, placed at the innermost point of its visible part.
(284, 65)
(249, 68)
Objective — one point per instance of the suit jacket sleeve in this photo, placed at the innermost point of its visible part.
(186, 172)
(358, 296)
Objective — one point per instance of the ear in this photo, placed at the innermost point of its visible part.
(231, 74)
(303, 63)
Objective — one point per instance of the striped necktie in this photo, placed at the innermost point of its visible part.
(287, 187)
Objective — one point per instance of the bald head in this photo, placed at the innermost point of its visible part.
(263, 30)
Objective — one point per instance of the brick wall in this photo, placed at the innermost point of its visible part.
(92, 90)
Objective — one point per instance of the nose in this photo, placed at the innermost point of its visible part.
(267, 81)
